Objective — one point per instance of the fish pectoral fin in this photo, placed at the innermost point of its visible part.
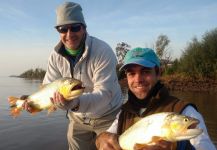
(140, 146)
(52, 109)
(34, 108)
(34, 111)
(155, 139)
(15, 111)
(42, 86)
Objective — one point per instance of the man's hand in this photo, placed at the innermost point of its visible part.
(58, 100)
(25, 104)
(160, 145)
(107, 141)
(27, 107)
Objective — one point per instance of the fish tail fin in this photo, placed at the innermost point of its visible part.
(52, 109)
(15, 110)
(12, 100)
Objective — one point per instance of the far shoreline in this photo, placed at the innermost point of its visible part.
(172, 82)
(184, 84)
(27, 78)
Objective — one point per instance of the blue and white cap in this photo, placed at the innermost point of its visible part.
(145, 57)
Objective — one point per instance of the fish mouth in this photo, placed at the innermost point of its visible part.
(192, 130)
(70, 88)
(193, 125)
(77, 87)
(75, 91)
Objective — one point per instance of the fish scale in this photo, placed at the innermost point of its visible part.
(166, 126)
(40, 100)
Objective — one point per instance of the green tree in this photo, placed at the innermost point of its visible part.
(173, 68)
(199, 58)
(38, 73)
(121, 50)
(161, 46)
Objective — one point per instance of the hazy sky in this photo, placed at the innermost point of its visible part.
(27, 34)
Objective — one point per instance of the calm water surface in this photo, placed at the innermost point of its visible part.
(44, 132)
(207, 106)
(29, 132)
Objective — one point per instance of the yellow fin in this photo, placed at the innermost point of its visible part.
(15, 111)
(42, 86)
(34, 111)
(12, 100)
(154, 140)
(51, 109)
(140, 146)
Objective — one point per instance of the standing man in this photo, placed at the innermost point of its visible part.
(147, 95)
(92, 61)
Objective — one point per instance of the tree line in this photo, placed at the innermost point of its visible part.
(37, 73)
(198, 60)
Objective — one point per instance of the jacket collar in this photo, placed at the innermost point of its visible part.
(59, 48)
(160, 92)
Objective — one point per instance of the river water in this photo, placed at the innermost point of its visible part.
(48, 132)
(27, 132)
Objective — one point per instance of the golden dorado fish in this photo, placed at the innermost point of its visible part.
(166, 126)
(70, 88)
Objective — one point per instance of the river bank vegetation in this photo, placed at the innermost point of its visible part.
(37, 74)
(195, 70)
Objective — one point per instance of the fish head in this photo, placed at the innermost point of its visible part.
(181, 127)
(70, 88)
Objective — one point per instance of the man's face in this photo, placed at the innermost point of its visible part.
(141, 80)
(72, 35)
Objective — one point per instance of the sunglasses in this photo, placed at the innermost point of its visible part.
(72, 28)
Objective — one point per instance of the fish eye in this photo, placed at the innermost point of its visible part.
(186, 119)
